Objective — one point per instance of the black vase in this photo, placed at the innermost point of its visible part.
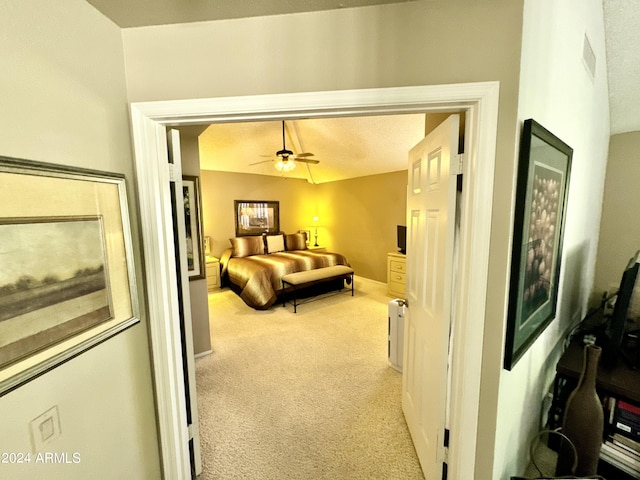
(583, 421)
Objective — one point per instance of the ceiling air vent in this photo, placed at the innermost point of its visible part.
(589, 58)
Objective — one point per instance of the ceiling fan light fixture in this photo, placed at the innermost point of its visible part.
(285, 165)
(284, 161)
(284, 153)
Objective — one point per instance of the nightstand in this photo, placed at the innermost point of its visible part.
(213, 274)
(319, 248)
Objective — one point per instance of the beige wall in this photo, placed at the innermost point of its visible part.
(358, 217)
(64, 101)
(619, 228)
(557, 91)
(385, 46)
(197, 286)
(297, 200)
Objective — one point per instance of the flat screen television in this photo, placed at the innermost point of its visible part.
(611, 348)
(402, 239)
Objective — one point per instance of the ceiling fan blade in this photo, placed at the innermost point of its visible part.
(262, 161)
(286, 154)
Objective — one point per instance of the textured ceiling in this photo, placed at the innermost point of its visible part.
(346, 147)
(622, 28)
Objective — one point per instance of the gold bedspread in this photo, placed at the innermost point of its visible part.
(257, 278)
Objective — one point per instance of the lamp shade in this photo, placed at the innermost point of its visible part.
(285, 165)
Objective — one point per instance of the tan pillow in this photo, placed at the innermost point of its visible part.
(247, 246)
(295, 241)
(275, 243)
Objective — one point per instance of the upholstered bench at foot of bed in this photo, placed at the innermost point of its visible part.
(309, 277)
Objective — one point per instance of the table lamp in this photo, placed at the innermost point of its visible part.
(315, 224)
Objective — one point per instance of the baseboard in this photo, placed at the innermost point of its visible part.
(203, 354)
(356, 276)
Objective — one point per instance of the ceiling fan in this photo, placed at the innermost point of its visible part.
(285, 158)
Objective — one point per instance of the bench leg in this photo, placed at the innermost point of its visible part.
(284, 294)
(295, 303)
(342, 278)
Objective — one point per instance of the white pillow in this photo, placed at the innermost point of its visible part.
(275, 243)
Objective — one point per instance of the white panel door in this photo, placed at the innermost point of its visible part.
(189, 367)
(431, 197)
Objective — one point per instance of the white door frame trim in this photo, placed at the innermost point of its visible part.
(149, 122)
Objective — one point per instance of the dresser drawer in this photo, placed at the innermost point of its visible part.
(397, 277)
(397, 266)
(213, 275)
(396, 289)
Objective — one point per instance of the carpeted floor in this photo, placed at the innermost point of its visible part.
(303, 396)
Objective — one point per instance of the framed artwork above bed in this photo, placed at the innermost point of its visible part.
(255, 217)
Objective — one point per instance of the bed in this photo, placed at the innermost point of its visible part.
(254, 266)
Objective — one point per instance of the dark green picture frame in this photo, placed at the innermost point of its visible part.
(541, 203)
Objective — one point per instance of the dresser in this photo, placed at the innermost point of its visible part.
(213, 274)
(396, 274)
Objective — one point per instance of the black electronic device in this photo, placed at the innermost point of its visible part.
(630, 348)
(402, 239)
(611, 348)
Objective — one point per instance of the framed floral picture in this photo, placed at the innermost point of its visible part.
(541, 204)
